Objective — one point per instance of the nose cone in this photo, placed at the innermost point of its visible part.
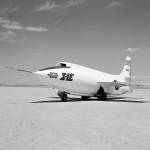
(41, 76)
(38, 72)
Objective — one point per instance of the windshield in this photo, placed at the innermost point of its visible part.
(58, 66)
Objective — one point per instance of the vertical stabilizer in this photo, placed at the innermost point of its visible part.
(126, 72)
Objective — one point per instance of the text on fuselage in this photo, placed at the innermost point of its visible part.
(64, 76)
(67, 76)
(53, 75)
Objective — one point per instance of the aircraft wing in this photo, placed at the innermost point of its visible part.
(24, 85)
(21, 70)
(120, 84)
(139, 85)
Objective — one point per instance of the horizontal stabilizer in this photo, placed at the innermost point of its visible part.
(140, 77)
(121, 84)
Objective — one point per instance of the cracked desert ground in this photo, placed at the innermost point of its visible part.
(35, 119)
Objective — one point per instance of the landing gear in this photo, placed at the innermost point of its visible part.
(62, 95)
(84, 97)
(101, 94)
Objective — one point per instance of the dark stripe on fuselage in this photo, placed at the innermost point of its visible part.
(55, 67)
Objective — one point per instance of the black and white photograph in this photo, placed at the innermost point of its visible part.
(74, 75)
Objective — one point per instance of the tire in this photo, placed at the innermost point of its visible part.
(84, 97)
(104, 97)
(64, 97)
(101, 94)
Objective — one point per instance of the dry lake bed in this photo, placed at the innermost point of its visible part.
(36, 119)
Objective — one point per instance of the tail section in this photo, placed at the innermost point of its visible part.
(126, 72)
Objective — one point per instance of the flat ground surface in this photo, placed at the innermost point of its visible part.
(35, 119)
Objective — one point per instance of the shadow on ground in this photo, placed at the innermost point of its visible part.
(114, 99)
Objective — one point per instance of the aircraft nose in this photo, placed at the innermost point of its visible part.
(38, 72)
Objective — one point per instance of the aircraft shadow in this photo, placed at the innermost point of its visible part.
(112, 99)
(126, 100)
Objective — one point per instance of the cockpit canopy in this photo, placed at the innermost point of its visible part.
(61, 64)
(58, 66)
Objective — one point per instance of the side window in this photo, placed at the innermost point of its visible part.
(63, 65)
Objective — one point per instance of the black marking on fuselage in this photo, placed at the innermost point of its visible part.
(116, 86)
(67, 76)
(53, 75)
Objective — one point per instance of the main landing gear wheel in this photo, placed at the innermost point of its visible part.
(101, 94)
(84, 97)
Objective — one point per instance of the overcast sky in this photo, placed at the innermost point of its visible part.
(95, 33)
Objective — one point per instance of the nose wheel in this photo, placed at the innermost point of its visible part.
(63, 96)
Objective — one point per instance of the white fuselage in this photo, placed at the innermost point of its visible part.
(80, 80)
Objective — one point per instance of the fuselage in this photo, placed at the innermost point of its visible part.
(79, 80)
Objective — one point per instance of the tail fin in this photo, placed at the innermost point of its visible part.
(126, 72)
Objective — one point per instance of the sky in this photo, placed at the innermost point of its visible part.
(99, 34)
